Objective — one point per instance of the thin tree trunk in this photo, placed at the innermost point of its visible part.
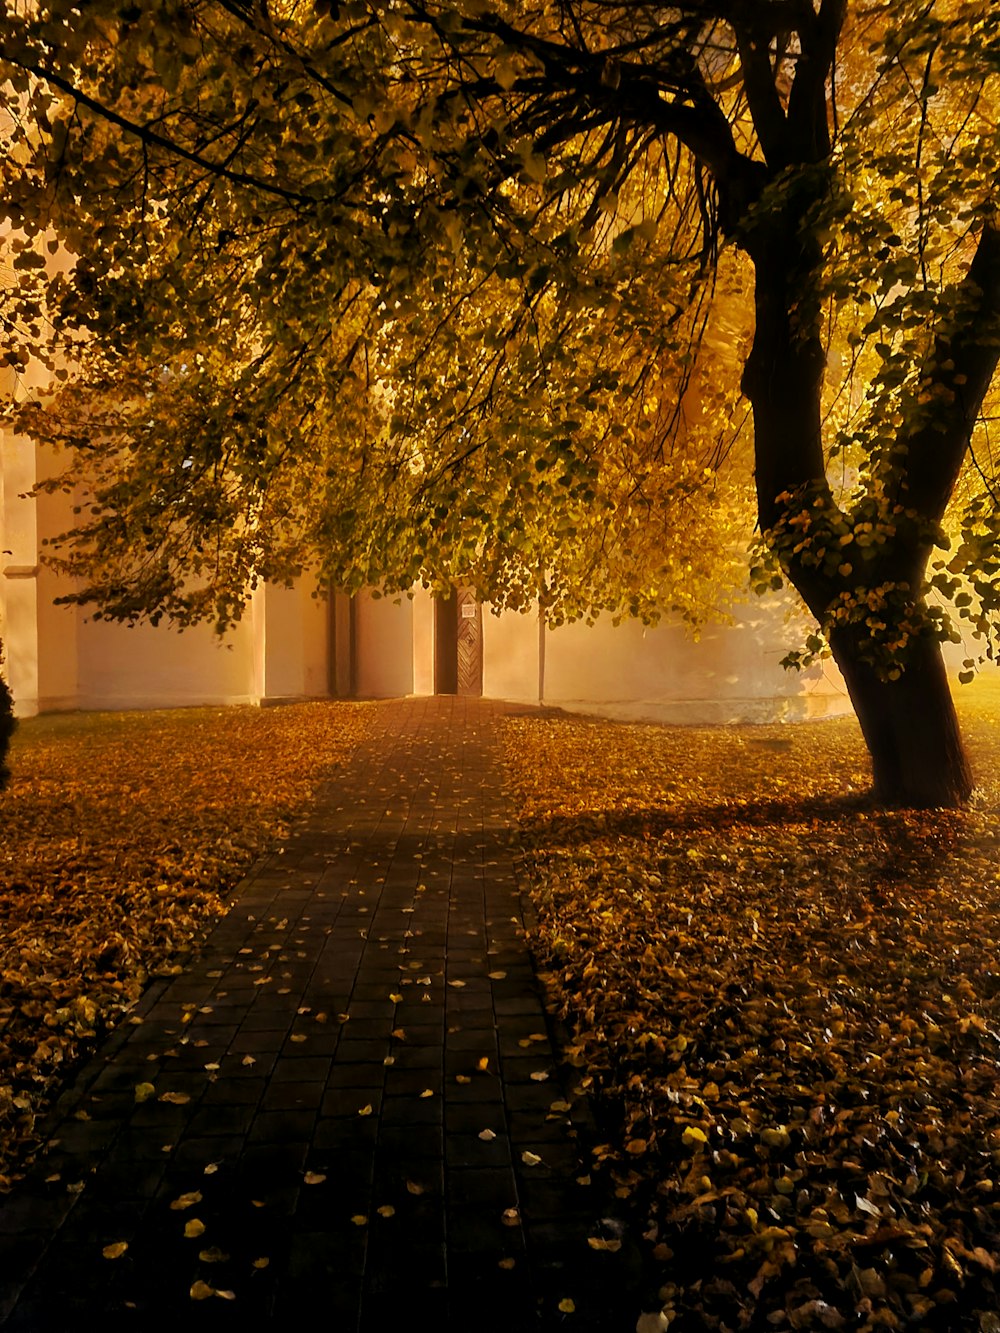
(909, 726)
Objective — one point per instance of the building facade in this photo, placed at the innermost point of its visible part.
(293, 644)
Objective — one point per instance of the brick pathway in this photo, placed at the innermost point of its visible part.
(350, 1116)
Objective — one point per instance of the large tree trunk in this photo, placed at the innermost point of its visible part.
(909, 725)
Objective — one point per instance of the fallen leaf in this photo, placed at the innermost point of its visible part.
(213, 1255)
(175, 1098)
(360, 1219)
(193, 1228)
(386, 1210)
(414, 1187)
(261, 1263)
(314, 1177)
(566, 1306)
(487, 1135)
(143, 1092)
(200, 1291)
(365, 1110)
(115, 1250)
(186, 1200)
(506, 1263)
(530, 1158)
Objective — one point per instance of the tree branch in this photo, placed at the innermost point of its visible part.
(152, 137)
(957, 376)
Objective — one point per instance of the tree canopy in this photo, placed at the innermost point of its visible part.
(513, 291)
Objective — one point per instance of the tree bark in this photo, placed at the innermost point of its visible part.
(909, 725)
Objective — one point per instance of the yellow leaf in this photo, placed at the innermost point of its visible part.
(143, 1092)
(427, 1092)
(194, 1228)
(248, 1060)
(530, 1158)
(360, 1219)
(399, 1034)
(365, 1110)
(386, 1210)
(539, 1076)
(511, 1217)
(487, 1135)
(693, 1135)
(213, 1255)
(395, 998)
(566, 1306)
(496, 976)
(484, 1063)
(200, 1291)
(186, 1200)
(457, 984)
(261, 1263)
(115, 1250)
(414, 1187)
(298, 1037)
(226, 1295)
(462, 1078)
(596, 1243)
(175, 1098)
(211, 1169)
(314, 1177)
(506, 1263)
(638, 1146)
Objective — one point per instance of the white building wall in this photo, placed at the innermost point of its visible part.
(732, 674)
(296, 631)
(511, 647)
(141, 667)
(18, 584)
(384, 647)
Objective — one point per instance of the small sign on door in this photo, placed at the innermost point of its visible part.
(468, 610)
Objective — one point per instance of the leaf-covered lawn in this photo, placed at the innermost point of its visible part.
(789, 1005)
(121, 835)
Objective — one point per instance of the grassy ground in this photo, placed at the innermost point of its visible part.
(121, 835)
(789, 1007)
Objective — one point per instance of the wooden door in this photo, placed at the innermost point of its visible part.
(446, 645)
(470, 643)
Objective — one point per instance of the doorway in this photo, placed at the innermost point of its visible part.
(458, 644)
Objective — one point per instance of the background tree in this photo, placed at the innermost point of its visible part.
(424, 291)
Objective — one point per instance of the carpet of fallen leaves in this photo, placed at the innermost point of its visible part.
(788, 1006)
(122, 834)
